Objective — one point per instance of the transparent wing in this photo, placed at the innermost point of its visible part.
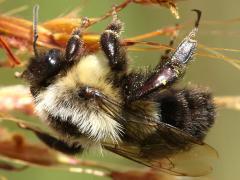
(194, 162)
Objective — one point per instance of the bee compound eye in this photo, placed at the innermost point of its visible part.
(53, 62)
(43, 66)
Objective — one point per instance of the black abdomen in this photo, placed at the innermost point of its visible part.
(191, 110)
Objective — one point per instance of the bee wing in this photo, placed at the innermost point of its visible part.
(193, 162)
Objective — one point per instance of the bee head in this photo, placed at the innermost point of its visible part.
(80, 99)
(74, 94)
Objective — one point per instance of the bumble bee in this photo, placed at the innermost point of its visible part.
(99, 102)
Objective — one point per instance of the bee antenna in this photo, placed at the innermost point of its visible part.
(199, 14)
(35, 30)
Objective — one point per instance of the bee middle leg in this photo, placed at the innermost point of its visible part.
(111, 45)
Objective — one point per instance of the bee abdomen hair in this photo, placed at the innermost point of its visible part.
(191, 110)
(202, 110)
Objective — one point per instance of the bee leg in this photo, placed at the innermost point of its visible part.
(74, 46)
(168, 72)
(59, 145)
(167, 53)
(110, 44)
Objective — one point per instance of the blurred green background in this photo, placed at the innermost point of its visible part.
(221, 77)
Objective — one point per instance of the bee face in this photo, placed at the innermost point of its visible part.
(71, 103)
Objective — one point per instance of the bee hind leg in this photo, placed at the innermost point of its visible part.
(171, 69)
(167, 52)
(111, 45)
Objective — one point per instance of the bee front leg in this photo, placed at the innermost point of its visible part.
(74, 46)
(58, 144)
(110, 44)
(172, 68)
